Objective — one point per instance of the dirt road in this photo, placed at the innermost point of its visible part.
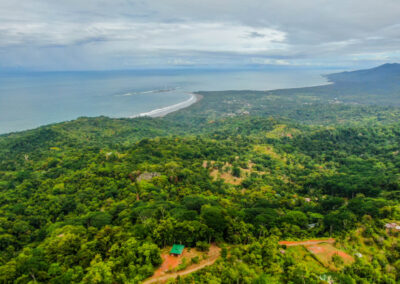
(160, 276)
(183, 272)
(306, 243)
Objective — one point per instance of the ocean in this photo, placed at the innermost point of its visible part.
(32, 99)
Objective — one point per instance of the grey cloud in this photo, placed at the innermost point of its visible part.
(135, 33)
(256, 34)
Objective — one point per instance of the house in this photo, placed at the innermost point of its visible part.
(392, 226)
(312, 225)
(177, 250)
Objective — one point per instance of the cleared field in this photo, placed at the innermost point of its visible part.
(170, 263)
(325, 252)
(308, 242)
(301, 254)
(225, 172)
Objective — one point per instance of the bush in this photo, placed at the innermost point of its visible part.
(98, 219)
(203, 246)
(236, 172)
(337, 260)
(224, 252)
(195, 260)
(183, 265)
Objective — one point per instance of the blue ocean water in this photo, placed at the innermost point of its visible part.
(29, 100)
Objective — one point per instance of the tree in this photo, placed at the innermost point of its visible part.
(296, 218)
(98, 219)
(98, 272)
(214, 218)
(236, 172)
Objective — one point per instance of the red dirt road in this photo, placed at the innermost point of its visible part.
(170, 262)
(306, 243)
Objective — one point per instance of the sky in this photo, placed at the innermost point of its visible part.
(129, 34)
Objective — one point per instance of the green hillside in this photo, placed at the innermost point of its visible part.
(95, 200)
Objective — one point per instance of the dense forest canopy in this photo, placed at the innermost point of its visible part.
(95, 200)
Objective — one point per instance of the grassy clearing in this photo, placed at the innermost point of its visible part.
(281, 131)
(300, 254)
(225, 172)
(269, 151)
(329, 256)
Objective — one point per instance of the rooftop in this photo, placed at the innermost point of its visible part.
(177, 249)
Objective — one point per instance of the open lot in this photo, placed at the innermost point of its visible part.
(324, 253)
(167, 270)
(323, 250)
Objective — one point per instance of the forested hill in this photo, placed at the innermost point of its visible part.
(359, 96)
(388, 73)
(95, 200)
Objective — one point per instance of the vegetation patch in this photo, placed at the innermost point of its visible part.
(174, 266)
(329, 256)
(281, 131)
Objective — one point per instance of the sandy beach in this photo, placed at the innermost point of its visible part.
(194, 98)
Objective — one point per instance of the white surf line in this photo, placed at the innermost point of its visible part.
(165, 110)
(148, 92)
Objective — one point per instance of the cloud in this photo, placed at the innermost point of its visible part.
(256, 35)
(150, 36)
(103, 34)
(270, 61)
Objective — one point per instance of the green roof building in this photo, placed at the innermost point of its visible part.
(177, 249)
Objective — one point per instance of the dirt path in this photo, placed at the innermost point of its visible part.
(183, 272)
(306, 243)
(159, 277)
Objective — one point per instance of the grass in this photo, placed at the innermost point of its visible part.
(282, 130)
(300, 254)
(325, 253)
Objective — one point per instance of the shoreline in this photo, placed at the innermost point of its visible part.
(160, 112)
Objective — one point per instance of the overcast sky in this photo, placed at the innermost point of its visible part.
(126, 34)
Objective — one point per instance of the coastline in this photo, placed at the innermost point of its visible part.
(160, 112)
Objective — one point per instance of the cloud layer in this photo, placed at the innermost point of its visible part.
(119, 34)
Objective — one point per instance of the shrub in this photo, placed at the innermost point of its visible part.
(203, 246)
(337, 260)
(183, 265)
(195, 260)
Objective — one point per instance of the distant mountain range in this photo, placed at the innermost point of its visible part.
(389, 72)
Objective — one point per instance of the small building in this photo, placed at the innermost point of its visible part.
(177, 250)
(312, 225)
(392, 226)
